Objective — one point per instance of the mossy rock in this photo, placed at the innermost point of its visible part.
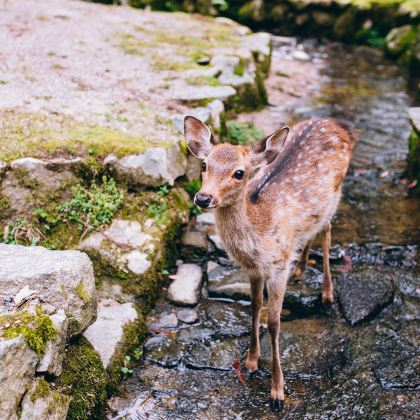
(413, 167)
(85, 380)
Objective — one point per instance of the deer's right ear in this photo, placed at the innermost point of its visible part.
(198, 137)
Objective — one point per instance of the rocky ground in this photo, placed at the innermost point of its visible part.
(355, 359)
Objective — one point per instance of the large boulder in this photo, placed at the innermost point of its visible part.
(17, 368)
(63, 279)
(155, 167)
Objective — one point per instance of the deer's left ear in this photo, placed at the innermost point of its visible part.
(269, 147)
(198, 137)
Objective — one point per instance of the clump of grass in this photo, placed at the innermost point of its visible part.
(91, 208)
(158, 207)
(242, 133)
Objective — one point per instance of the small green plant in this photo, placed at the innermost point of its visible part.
(125, 369)
(159, 205)
(21, 231)
(92, 208)
(138, 353)
(242, 133)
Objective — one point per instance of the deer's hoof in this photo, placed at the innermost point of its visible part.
(327, 297)
(276, 405)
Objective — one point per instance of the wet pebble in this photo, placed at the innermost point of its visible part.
(166, 320)
(187, 316)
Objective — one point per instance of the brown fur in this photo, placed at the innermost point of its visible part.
(289, 194)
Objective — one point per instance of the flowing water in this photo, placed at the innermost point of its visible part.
(355, 359)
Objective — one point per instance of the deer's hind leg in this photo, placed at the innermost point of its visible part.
(257, 288)
(303, 262)
(327, 285)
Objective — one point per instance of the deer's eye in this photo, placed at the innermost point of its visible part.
(203, 166)
(239, 174)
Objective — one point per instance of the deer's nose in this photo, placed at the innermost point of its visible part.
(203, 200)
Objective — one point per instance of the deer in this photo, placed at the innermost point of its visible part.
(271, 199)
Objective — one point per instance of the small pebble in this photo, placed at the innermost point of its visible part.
(187, 316)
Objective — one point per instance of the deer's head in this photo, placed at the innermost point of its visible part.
(227, 169)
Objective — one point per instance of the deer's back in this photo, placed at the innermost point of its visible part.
(302, 186)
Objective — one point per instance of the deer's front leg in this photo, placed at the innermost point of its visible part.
(257, 287)
(276, 290)
(327, 285)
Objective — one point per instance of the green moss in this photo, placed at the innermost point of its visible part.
(4, 206)
(41, 391)
(84, 379)
(413, 160)
(203, 81)
(37, 135)
(242, 133)
(82, 293)
(37, 329)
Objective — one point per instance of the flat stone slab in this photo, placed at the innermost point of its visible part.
(107, 332)
(364, 292)
(199, 93)
(185, 289)
(63, 279)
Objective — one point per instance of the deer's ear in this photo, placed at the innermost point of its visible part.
(269, 147)
(198, 137)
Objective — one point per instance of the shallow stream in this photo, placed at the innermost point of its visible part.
(355, 359)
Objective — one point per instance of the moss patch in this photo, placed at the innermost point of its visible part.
(37, 329)
(84, 379)
(82, 293)
(41, 391)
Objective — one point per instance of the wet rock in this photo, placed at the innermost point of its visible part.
(304, 296)
(217, 355)
(124, 246)
(194, 239)
(17, 368)
(153, 168)
(186, 287)
(199, 93)
(364, 292)
(163, 351)
(52, 360)
(41, 402)
(194, 334)
(63, 279)
(107, 332)
(227, 282)
(217, 241)
(228, 320)
(166, 320)
(187, 316)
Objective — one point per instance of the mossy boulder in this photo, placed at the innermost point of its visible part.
(413, 162)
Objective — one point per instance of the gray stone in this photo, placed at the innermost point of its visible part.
(107, 332)
(124, 246)
(17, 368)
(364, 292)
(217, 241)
(300, 55)
(217, 108)
(166, 320)
(185, 289)
(227, 65)
(201, 113)
(227, 282)
(52, 359)
(155, 167)
(52, 406)
(205, 221)
(199, 93)
(187, 316)
(30, 182)
(194, 239)
(63, 279)
(414, 116)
